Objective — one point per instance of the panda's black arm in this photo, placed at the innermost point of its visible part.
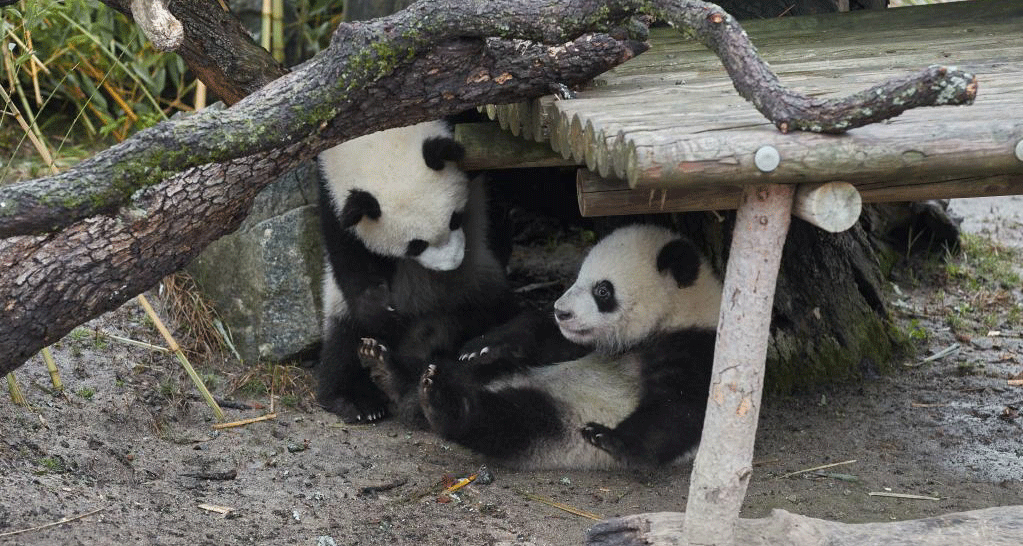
(528, 338)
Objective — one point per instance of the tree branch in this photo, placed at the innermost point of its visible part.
(318, 94)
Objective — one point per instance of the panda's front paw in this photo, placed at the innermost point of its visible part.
(485, 350)
(604, 438)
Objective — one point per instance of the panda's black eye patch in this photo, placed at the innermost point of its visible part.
(416, 247)
(604, 296)
(456, 221)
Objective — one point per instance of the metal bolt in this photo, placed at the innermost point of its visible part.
(1019, 150)
(767, 158)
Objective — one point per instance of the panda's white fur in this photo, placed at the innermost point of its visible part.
(659, 335)
(416, 202)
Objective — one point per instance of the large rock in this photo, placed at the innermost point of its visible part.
(264, 279)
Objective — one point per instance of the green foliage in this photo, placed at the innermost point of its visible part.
(86, 393)
(99, 76)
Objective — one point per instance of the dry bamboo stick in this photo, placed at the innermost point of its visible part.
(176, 349)
(16, 395)
(243, 422)
(51, 367)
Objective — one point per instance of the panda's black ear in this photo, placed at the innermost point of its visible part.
(359, 203)
(437, 150)
(682, 259)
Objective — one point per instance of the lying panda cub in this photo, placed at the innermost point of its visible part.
(407, 261)
(647, 304)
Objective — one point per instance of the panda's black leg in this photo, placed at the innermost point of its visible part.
(655, 433)
(343, 386)
(503, 424)
(446, 404)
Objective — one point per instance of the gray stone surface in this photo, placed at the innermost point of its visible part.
(264, 279)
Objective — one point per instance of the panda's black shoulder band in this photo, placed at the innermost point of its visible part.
(437, 150)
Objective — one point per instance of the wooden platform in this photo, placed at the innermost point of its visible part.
(666, 131)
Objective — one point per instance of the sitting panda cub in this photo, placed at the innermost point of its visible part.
(407, 261)
(647, 304)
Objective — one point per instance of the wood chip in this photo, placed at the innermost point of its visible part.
(222, 510)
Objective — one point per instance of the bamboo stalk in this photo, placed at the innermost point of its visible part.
(176, 349)
(278, 30)
(51, 366)
(12, 386)
(267, 27)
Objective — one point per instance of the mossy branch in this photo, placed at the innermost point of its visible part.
(324, 93)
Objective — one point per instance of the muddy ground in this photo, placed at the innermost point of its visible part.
(132, 448)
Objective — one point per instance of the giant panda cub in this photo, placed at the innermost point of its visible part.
(647, 304)
(407, 260)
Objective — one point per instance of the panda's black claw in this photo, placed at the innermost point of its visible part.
(602, 437)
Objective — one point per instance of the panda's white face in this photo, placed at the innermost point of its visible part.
(638, 281)
(398, 205)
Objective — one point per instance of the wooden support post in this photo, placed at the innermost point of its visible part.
(723, 464)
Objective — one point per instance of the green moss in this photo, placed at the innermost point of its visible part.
(795, 364)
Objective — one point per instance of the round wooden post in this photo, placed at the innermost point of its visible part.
(723, 464)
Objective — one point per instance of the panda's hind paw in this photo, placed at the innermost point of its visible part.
(357, 411)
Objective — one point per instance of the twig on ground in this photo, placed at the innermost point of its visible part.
(244, 422)
(902, 496)
(821, 467)
(936, 356)
(62, 521)
(925, 405)
(1015, 382)
(371, 489)
(134, 342)
(561, 506)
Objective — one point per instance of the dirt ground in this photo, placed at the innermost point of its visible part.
(130, 450)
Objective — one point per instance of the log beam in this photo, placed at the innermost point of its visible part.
(831, 206)
(723, 465)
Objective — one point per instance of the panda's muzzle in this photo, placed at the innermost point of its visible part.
(447, 256)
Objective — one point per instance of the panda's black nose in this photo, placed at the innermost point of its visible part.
(562, 316)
